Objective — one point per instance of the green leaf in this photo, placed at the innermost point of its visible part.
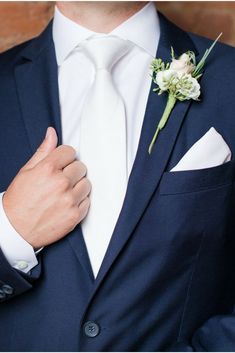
(198, 76)
(201, 63)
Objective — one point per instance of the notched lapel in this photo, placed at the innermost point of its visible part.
(148, 169)
(37, 86)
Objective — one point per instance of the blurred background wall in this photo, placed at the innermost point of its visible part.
(21, 20)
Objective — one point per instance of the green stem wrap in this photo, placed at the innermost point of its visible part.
(166, 114)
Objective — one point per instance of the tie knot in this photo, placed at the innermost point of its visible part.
(104, 51)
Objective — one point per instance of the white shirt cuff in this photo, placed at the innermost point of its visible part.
(18, 252)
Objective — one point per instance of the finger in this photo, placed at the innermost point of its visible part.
(75, 172)
(61, 157)
(83, 208)
(48, 145)
(81, 190)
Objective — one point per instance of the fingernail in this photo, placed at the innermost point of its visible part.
(47, 133)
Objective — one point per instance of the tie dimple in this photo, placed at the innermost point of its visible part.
(103, 146)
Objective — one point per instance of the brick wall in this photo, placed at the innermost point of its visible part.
(21, 20)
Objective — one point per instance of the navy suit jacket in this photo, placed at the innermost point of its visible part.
(167, 279)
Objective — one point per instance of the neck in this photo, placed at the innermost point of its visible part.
(100, 16)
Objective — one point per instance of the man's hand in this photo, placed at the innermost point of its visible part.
(49, 195)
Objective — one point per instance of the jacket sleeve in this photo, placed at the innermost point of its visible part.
(14, 282)
(216, 335)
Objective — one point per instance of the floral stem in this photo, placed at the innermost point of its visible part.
(166, 114)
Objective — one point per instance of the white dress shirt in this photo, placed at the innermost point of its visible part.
(131, 77)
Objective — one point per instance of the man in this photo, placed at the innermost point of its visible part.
(103, 246)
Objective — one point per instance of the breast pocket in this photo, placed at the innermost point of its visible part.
(197, 180)
(199, 202)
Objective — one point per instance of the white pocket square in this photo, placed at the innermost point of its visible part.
(210, 151)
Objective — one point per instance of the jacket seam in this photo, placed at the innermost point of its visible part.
(189, 287)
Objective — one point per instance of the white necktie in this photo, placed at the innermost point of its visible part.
(103, 146)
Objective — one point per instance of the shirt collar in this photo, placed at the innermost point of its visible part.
(142, 29)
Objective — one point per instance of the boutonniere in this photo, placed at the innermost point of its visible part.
(179, 79)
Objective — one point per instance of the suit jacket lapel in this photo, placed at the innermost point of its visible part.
(37, 85)
(36, 81)
(148, 169)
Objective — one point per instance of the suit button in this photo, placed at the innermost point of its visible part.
(7, 289)
(2, 294)
(91, 329)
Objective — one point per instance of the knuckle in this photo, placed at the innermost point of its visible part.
(87, 185)
(75, 215)
(63, 183)
(48, 167)
(83, 207)
(74, 218)
(68, 200)
(82, 167)
(87, 202)
(80, 214)
(70, 227)
(68, 149)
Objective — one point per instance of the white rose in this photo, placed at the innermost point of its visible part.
(182, 65)
(165, 78)
(190, 88)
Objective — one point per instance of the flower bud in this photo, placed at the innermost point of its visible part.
(182, 65)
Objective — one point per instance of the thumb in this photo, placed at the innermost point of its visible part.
(48, 145)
